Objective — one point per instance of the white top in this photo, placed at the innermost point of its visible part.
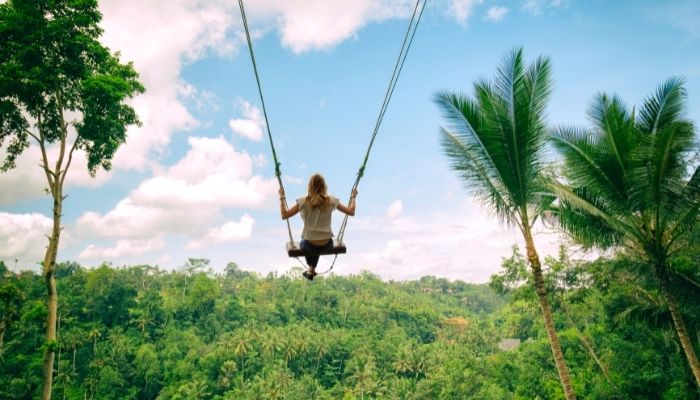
(317, 223)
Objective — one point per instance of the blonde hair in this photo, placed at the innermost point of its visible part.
(317, 196)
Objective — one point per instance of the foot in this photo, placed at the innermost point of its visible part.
(308, 275)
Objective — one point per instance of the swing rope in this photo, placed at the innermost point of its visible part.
(278, 172)
(398, 67)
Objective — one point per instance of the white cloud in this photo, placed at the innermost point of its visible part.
(135, 221)
(464, 243)
(231, 231)
(496, 13)
(251, 125)
(188, 198)
(392, 253)
(23, 237)
(306, 25)
(212, 174)
(461, 10)
(394, 210)
(123, 248)
(160, 40)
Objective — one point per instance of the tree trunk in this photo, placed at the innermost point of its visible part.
(2, 333)
(49, 267)
(559, 361)
(662, 275)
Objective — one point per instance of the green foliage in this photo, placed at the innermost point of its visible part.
(495, 140)
(631, 179)
(193, 334)
(633, 185)
(51, 62)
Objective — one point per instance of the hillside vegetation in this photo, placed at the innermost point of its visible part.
(138, 332)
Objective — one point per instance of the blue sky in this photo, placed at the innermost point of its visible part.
(196, 180)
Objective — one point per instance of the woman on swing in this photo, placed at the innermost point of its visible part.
(316, 208)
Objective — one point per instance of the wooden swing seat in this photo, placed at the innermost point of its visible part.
(294, 250)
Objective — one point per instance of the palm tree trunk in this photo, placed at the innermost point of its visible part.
(662, 275)
(559, 361)
(49, 267)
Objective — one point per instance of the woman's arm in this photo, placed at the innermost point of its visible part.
(350, 209)
(284, 211)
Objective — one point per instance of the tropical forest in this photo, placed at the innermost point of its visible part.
(613, 312)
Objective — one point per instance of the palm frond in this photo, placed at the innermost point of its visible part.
(508, 74)
(588, 165)
(667, 142)
(659, 183)
(467, 124)
(462, 113)
(616, 133)
(499, 135)
(583, 215)
(514, 108)
(686, 222)
(633, 171)
(532, 99)
(664, 107)
(478, 180)
(585, 229)
(648, 314)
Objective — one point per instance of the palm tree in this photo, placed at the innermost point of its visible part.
(363, 374)
(322, 347)
(495, 142)
(194, 390)
(94, 334)
(74, 339)
(403, 363)
(226, 373)
(64, 378)
(631, 186)
(291, 349)
(242, 345)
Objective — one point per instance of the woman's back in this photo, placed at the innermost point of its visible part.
(317, 220)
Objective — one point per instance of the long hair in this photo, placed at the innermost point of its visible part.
(317, 196)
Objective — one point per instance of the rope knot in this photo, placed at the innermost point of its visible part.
(361, 172)
(278, 172)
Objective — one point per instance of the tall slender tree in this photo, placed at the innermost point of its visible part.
(495, 142)
(61, 88)
(632, 185)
